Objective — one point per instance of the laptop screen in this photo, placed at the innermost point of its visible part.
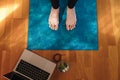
(15, 76)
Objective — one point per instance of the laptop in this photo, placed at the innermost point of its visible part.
(31, 66)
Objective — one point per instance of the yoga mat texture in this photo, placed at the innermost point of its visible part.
(83, 37)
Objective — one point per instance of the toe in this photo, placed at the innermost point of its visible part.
(74, 26)
(56, 27)
(49, 26)
(71, 27)
(52, 26)
(67, 26)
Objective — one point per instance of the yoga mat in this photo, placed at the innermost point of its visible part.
(83, 37)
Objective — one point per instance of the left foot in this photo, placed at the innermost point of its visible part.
(71, 19)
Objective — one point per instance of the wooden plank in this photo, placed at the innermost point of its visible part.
(119, 59)
(88, 61)
(100, 58)
(81, 74)
(11, 7)
(2, 21)
(116, 18)
(17, 39)
(18, 12)
(0, 63)
(25, 12)
(5, 48)
(113, 61)
(5, 63)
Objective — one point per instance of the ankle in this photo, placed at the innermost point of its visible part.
(70, 9)
(55, 9)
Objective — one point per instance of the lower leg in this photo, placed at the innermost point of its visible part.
(55, 4)
(71, 3)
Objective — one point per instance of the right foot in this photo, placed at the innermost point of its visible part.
(54, 19)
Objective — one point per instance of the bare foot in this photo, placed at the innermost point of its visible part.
(54, 19)
(71, 19)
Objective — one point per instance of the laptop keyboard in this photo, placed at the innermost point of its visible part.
(32, 71)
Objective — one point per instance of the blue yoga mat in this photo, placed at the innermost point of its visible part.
(83, 37)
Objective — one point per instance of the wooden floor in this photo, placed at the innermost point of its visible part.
(103, 64)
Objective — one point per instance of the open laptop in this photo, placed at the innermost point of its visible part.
(31, 66)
